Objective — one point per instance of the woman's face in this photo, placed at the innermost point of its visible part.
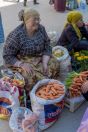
(33, 23)
(80, 23)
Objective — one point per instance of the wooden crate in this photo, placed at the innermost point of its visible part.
(72, 104)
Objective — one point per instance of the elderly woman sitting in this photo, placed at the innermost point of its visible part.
(74, 35)
(28, 48)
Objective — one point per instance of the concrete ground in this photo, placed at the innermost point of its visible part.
(53, 21)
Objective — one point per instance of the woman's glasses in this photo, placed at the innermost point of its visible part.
(36, 19)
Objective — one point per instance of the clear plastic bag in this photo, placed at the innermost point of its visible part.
(8, 103)
(22, 120)
(12, 90)
(53, 35)
(15, 77)
(64, 61)
(65, 68)
(29, 124)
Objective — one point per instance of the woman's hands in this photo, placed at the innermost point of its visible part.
(27, 68)
(84, 87)
(45, 61)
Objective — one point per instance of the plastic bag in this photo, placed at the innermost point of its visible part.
(29, 124)
(65, 68)
(47, 110)
(9, 99)
(15, 78)
(82, 4)
(13, 90)
(18, 120)
(64, 50)
(84, 123)
(8, 105)
(65, 62)
(53, 35)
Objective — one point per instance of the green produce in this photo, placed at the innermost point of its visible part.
(70, 78)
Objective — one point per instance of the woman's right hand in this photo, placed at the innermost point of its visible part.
(84, 87)
(27, 68)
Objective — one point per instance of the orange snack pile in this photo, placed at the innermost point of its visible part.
(50, 91)
(4, 111)
(5, 100)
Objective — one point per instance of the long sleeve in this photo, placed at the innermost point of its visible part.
(84, 32)
(47, 47)
(11, 48)
(72, 37)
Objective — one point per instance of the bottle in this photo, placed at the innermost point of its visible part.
(82, 5)
(71, 4)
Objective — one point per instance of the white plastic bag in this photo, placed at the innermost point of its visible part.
(65, 68)
(13, 90)
(65, 51)
(64, 61)
(47, 110)
(7, 95)
(10, 107)
(29, 124)
(18, 118)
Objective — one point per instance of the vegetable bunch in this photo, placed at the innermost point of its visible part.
(75, 81)
(70, 77)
